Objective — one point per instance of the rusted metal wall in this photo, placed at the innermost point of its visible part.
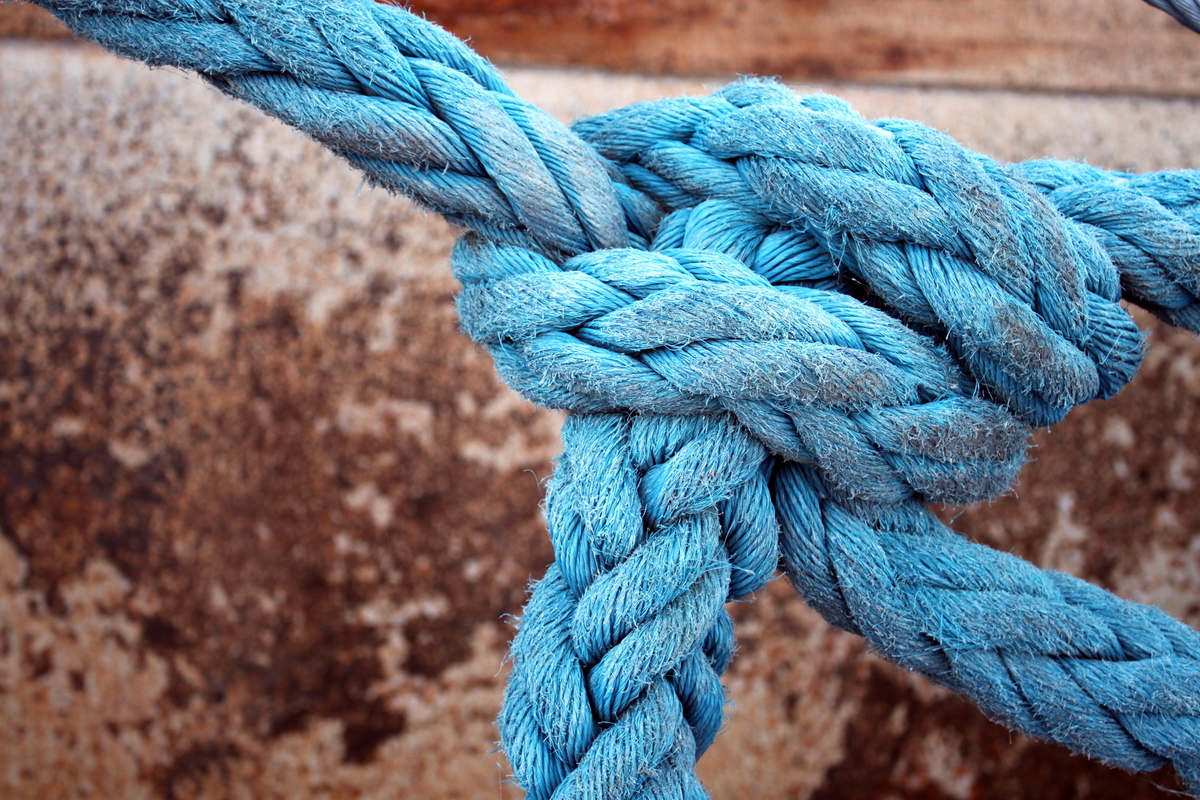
(1056, 45)
(262, 510)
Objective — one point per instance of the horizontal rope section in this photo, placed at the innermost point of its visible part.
(779, 328)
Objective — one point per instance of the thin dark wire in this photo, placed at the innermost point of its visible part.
(1185, 12)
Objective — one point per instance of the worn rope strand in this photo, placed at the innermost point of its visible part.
(1039, 651)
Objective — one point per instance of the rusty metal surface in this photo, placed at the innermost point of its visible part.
(1108, 46)
(262, 510)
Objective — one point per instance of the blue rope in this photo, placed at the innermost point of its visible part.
(780, 328)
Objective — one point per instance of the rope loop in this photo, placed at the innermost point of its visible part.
(1019, 282)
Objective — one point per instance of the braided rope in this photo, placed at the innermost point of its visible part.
(779, 327)
(816, 376)
(1039, 651)
(1019, 276)
(616, 685)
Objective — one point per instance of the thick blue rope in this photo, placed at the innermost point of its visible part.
(780, 328)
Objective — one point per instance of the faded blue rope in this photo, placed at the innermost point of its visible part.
(817, 376)
(401, 99)
(1023, 292)
(656, 522)
(779, 327)
(1039, 651)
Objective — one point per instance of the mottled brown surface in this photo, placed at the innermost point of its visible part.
(27, 21)
(312, 485)
(262, 510)
(1115, 45)
(1061, 45)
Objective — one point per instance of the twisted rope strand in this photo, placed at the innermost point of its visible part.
(886, 414)
(708, 282)
(617, 663)
(357, 73)
(1038, 651)
(1024, 295)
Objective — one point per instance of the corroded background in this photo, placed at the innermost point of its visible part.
(1058, 45)
(263, 512)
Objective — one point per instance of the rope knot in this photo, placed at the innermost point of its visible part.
(816, 377)
(1011, 274)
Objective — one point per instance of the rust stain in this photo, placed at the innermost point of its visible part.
(1095, 47)
(915, 745)
(227, 497)
(218, 484)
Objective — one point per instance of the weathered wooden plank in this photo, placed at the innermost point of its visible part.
(1121, 46)
(1059, 45)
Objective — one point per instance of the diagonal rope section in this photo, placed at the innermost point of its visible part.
(779, 329)
(1039, 651)
(411, 106)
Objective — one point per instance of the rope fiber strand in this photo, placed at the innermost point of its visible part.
(779, 328)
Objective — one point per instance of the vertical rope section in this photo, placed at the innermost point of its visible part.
(657, 521)
(780, 329)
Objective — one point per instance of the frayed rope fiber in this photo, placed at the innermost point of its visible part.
(780, 329)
